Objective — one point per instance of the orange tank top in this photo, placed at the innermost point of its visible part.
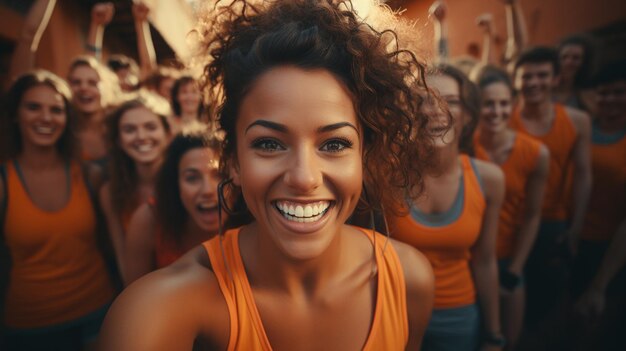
(517, 168)
(560, 142)
(57, 273)
(389, 329)
(447, 246)
(608, 194)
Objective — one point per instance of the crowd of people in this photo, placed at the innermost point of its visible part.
(319, 187)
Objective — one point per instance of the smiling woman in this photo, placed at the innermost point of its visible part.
(319, 114)
(58, 289)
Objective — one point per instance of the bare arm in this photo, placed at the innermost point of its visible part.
(35, 24)
(437, 14)
(114, 226)
(101, 15)
(420, 291)
(167, 309)
(517, 33)
(581, 188)
(139, 245)
(145, 47)
(532, 215)
(483, 261)
(591, 303)
(485, 22)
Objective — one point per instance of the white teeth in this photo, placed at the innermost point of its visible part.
(303, 213)
(145, 148)
(44, 130)
(299, 211)
(308, 211)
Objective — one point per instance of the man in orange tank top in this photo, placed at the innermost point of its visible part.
(566, 133)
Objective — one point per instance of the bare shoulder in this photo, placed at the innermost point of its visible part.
(580, 118)
(490, 173)
(169, 308)
(418, 273)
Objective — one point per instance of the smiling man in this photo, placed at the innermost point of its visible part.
(566, 133)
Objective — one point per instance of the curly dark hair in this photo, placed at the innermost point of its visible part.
(470, 101)
(170, 211)
(122, 170)
(244, 39)
(10, 135)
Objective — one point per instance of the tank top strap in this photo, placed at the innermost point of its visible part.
(471, 179)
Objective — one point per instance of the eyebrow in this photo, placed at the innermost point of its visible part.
(283, 129)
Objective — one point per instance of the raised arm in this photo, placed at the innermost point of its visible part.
(532, 216)
(101, 15)
(437, 14)
(485, 22)
(517, 33)
(483, 259)
(145, 47)
(35, 24)
(581, 187)
(140, 244)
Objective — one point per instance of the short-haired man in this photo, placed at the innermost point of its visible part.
(567, 134)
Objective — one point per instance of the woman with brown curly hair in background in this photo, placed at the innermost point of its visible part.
(137, 136)
(318, 114)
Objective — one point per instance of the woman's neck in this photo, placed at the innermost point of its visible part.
(188, 117)
(494, 141)
(146, 172)
(94, 120)
(39, 158)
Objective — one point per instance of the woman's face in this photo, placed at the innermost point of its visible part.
(142, 135)
(611, 101)
(448, 90)
(198, 178)
(189, 98)
(298, 159)
(496, 107)
(86, 89)
(571, 59)
(41, 116)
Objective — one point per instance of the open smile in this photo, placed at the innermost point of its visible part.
(303, 212)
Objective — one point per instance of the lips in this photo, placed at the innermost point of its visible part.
(302, 212)
(44, 130)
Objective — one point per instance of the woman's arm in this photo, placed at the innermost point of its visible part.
(140, 245)
(483, 259)
(517, 34)
(35, 24)
(101, 15)
(168, 309)
(114, 225)
(592, 302)
(485, 22)
(420, 291)
(532, 215)
(145, 47)
(437, 14)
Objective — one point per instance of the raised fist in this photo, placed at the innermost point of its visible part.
(140, 11)
(485, 21)
(102, 13)
(438, 10)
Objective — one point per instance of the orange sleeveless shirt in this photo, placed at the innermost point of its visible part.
(608, 194)
(389, 330)
(560, 141)
(447, 247)
(517, 169)
(57, 273)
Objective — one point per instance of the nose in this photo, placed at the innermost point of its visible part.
(141, 133)
(304, 173)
